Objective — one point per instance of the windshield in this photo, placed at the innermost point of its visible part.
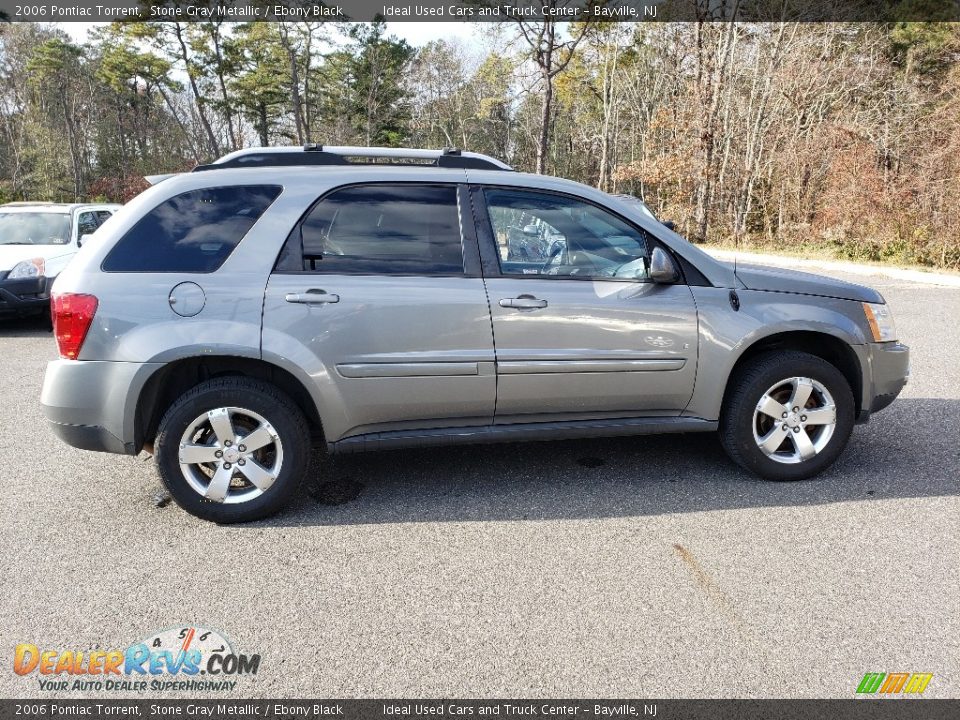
(34, 228)
(640, 204)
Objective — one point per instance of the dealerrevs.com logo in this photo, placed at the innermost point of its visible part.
(894, 683)
(183, 658)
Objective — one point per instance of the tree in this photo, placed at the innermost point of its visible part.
(551, 55)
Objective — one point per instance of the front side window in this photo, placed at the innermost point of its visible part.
(34, 228)
(553, 235)
(87, 223)
(192, 232)
(384, 229)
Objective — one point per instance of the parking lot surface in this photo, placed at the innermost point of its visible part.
(644, 567)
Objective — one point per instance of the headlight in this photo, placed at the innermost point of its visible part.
(27, 269)
(880, 320)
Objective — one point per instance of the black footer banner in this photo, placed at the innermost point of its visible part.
(868, 709)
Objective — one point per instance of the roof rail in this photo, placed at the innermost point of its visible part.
(315, 154)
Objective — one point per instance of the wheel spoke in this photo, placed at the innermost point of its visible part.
(222, 427)
(801, 393)
(219, 484)
(193, 454)
(770, 407)
(257, 439)
(803, 444)
(773, 439)
(257, 474)
(822, 416)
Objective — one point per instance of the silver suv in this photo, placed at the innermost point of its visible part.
(364, 298)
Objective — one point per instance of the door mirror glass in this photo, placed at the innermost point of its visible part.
(662, 268)
(83, 239)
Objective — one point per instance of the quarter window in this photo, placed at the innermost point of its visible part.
(552, 235)
(384, 229)
(193, 232)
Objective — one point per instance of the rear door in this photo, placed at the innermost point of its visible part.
(580, 330)
(379, 300)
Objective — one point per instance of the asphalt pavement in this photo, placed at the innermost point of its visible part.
(645, 567)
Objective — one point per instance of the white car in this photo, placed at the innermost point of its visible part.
(37, 240)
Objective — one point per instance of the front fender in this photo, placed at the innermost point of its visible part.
(726, 334)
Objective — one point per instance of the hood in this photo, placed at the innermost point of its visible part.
(10, 255)
(759, 277)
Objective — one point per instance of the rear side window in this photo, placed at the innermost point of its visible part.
(385, 229)
(192, 232)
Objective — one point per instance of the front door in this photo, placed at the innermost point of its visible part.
(580, 330)
(371, 297)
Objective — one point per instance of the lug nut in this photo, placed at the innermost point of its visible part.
(242, 448)
(784, 426)
(226, 466)
(796, 429)
(796, 409)
(218, 453)
(784, 416)
(803, 418)
(228, 443)
(241, 461)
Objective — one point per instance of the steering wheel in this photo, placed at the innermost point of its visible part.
(554, 259)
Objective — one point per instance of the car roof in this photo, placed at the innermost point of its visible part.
(52, 207)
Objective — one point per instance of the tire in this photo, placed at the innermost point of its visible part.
(776, 381)
(234, 486)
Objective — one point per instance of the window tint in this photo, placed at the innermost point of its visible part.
(103, 216)
(86, 223)
(545, 234)
(385, 229)
(192, 232)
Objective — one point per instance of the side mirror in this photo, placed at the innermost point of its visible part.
(83, 239)
(531, 231)
(663, 271)
(669, 224)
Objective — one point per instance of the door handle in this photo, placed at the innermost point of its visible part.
(524, 302)
(312, 297)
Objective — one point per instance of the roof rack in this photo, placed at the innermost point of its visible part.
(314, 154)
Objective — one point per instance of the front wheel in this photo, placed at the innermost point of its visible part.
(787, 415)
(233, 450)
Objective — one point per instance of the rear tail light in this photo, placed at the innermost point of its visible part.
(72, 314)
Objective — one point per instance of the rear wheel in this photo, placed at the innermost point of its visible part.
(233, 450)
(787, 416)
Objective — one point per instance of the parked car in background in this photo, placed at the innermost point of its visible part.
(37, 240)
(230, 317)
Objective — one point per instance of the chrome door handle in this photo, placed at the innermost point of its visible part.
(312, 297)
(524, 302)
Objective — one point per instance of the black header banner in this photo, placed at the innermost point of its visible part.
(483, 10)
(862, 709)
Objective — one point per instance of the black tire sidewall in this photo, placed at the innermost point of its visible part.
(268, 402)
(736, 427)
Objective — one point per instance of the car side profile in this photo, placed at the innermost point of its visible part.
(232, 317)
(37, 240)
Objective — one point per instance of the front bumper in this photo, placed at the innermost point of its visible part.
(92, 405)
(24, 295)
(886, 373)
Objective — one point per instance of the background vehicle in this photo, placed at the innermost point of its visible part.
(37, 240)
(291, 296)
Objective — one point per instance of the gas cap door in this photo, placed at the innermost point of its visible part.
(187, 299)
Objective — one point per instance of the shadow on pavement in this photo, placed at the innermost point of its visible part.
(12, 326)
(910, 450)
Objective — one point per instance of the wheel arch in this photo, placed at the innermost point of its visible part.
(830, 348)
(171, 381)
